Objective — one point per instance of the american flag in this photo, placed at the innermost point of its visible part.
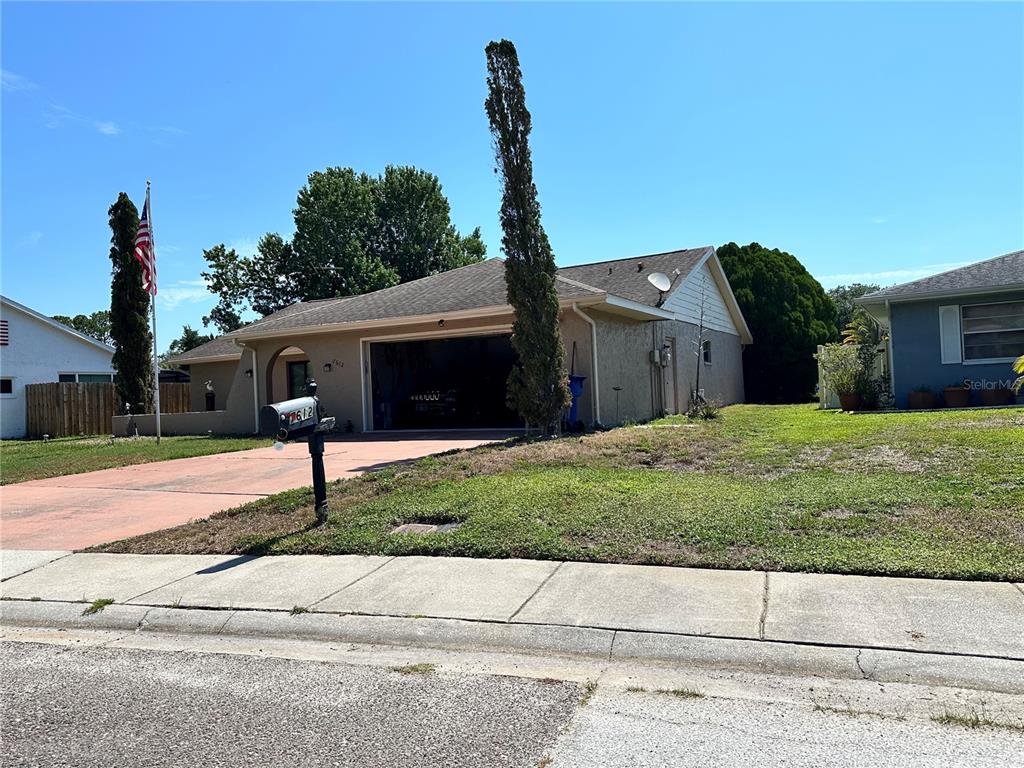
(144, 250)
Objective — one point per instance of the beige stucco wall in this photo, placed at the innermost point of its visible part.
(623, 361)
(645, 390)
(222, 374)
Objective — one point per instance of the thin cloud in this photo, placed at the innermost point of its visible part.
(13, 82)
(31, 240)
(879, 220)
(58, 116)
(244, 246)
(171, 130)
(887, 277)
(184, 292)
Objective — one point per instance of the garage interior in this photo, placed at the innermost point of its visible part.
(445, 383)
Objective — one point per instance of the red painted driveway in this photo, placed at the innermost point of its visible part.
(78, 511)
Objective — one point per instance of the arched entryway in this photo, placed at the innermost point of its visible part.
(288, 370)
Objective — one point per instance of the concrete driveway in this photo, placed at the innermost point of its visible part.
(78, 511)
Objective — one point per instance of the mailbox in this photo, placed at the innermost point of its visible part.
(291, 419)
(298, 418)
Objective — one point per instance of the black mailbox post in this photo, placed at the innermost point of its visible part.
(298, 418)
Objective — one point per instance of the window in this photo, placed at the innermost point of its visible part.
(6, 386)
(706, 351)
(85, 378)
(993, 331)
(298, 375)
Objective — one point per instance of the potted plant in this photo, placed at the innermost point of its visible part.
(997, 396)
(921, 398)
(842, 370)
(957, 395)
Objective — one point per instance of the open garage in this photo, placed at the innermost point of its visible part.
(441, 383)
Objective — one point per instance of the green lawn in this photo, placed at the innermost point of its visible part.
(786, 487)
(22, 460)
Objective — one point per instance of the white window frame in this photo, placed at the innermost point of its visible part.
(14, 392)
(964, 334)
(705, 352)
(76, 374)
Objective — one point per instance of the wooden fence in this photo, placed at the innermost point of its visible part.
(63, 410)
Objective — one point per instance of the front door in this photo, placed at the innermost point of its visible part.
(298, 375)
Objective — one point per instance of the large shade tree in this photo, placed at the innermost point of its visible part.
(354, 233)
(96, 325)
(129, 310)
(538, 386)
(789, 315)
(844, 296)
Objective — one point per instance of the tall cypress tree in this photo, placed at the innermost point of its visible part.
(538, 386)
(129, 310)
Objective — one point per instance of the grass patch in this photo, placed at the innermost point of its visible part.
(97, 605)
(589, 689)
(298, 610)
(681, 693)
(787, 488)
(975, 720)
(37, 459)
(415, 669)
(636, 689)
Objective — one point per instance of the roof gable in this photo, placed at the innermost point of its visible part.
(628, 277)
(57, 326)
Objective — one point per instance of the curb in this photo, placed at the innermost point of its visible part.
(764, 656)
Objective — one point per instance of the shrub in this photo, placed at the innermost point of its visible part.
(704, 410)
(842, 368)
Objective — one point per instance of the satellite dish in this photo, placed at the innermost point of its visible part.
(660, 281)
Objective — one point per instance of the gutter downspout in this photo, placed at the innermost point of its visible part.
(892, 368)
(596, 406)
(255, 393)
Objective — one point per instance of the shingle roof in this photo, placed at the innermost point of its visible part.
(1001, 272)
(222, 346)
(476, 286)
(628, 277)
(471, 287)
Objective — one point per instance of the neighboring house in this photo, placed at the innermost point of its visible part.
(36, 349)
(435, 353)
(965, 325)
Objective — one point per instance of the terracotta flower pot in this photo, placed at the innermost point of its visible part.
(921, 400)
(849, 402)
(996, 396)
(957, 397)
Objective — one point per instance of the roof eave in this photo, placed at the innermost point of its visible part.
(205, 359)
(869, 299)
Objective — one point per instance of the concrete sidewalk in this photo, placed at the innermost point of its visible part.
(883, 628)
(79, 511)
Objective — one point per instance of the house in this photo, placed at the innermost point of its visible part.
(36, 349)
(961, 326)
(435, 353)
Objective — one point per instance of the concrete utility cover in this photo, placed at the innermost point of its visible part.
(422, 528)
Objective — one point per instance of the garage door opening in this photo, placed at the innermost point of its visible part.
(453, 383)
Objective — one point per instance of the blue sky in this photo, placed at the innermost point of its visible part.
(875, 142)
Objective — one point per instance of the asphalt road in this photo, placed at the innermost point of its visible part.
(619, 729)
(110, 707)
(95, 706)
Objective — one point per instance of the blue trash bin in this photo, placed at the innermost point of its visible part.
(575, 389)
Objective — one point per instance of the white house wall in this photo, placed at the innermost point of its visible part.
(35, 354)
(685, 302)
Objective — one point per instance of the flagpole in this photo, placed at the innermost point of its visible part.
(152, 306)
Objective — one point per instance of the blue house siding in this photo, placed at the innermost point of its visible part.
(916, 349)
